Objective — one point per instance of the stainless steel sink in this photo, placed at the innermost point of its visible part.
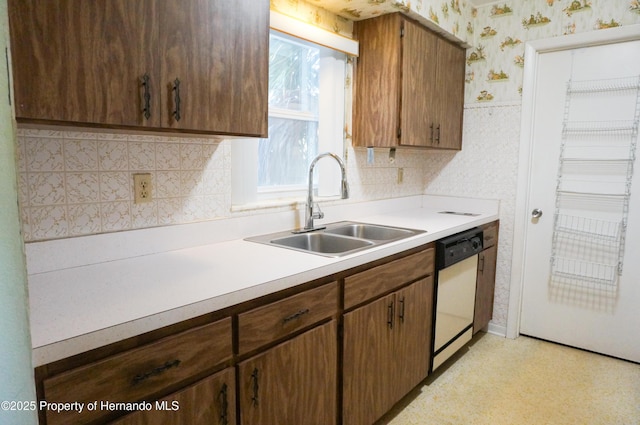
(337, 239)
(371, 231)
(322, 243)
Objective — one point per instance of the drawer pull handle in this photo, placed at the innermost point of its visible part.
(390, 315)
(146, 96)
(401, 314)
(176, 92)
(224, 405)
(156, 371)
(254, 381)
(296, 315)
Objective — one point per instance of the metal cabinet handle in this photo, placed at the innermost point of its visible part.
(176, 94)
(296, 315)
(390, 315)
(255, 387)
(401, 314)
(481, 264)
(224, 405)
(155, 371)
(536, 213)
(431, 137)
(438, 134)
(146, 96)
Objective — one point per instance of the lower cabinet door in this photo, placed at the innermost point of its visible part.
(368, 365)
(292, 383)
(211, 401)
(485, 287)
(387, 345)
(412, 344)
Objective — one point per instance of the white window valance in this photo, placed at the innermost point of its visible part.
(305, 31)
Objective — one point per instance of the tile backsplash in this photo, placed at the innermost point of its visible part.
(74, 183)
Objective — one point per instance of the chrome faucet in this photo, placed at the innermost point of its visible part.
(311, 213)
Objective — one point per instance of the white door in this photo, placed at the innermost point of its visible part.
(581, 311)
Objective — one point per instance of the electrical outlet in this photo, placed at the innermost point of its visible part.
(400, 175)
(142, 188)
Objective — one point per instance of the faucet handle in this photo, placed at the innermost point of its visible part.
(318, 214)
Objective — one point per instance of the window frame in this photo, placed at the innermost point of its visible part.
(242, 197)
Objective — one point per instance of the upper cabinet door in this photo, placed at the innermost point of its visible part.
(450, 95)
(418, 112)
(83, 61)
(378, 82)
(214, 68)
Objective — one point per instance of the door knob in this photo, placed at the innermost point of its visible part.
(536, 213)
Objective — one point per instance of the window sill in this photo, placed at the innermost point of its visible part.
(281, 203)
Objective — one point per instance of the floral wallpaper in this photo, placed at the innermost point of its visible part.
(496, 33)
(495, 63)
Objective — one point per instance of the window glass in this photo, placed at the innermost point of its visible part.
(284, 158)
(294, 68)
(294, 87)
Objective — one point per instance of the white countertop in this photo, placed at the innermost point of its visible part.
(81, 307)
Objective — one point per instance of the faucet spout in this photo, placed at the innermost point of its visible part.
(311, 214)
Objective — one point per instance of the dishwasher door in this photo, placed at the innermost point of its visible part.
(455, 304)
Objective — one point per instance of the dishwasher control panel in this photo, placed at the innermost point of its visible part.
(458, 247)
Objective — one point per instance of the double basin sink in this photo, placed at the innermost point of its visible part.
(337, 239)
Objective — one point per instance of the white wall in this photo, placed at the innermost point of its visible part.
(16, 372)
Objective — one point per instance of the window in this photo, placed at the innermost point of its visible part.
(306, 117)
(294, 90)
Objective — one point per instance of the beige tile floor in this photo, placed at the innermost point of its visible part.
(499, 381)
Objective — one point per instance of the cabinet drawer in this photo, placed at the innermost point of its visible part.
(278, 319)
(490, 235)
(141, 372)
(378, 280)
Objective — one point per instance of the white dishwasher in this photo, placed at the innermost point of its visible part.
(455, 293)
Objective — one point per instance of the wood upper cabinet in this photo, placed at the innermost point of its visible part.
(211, 401)
(85, 62)
(387, 346)
(292, 383)
(449, 98)
(409, 86)
(219, 53)
(82, 61)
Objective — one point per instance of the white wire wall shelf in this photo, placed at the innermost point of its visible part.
(599, 127)
(593, 188)
(604, 85)
(588, 228)
(585, 273)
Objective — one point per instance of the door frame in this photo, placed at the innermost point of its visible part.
(533, 50)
